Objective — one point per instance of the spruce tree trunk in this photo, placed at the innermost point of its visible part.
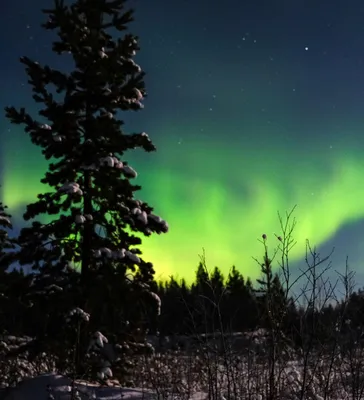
(89, 226)
(94, 21)
(87, 231)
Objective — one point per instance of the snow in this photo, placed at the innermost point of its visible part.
(61, 389)
(98, 340)
(158, 301)
(107, 161)
(105, 372)
(5, 219)
(133, 257)
(156, 218)
(102, 53)
(160, 370)
(107, 114)
(53, 288)
(119, 254)
(136, 211)
(70, 188)
(143, 217)
(134, 100)
(91, 167)
(80, 313)
(160, 221)
(80, 219)
(138, 94)
(129, 172)
(111, 161)
(104, 251)
(119, 165)
(40, 388)
(135, 65)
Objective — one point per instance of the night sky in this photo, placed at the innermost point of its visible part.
(254, 106)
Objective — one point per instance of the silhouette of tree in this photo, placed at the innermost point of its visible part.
(90, 203)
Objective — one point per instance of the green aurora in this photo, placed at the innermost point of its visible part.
(250, 119)
(220, 200)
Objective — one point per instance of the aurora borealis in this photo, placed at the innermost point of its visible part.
(255, 106)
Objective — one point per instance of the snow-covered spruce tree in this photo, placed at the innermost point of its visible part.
(6, 244)
(91, 205)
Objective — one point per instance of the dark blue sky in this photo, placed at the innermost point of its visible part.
(255, 106)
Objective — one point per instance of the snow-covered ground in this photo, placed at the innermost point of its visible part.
(245, 383)
(45, 386)
(60, 388)
(198, 375)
